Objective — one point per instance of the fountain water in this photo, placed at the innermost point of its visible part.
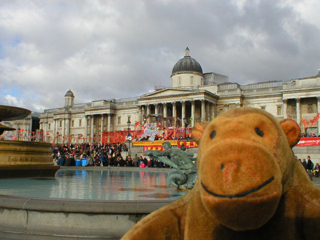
(94, 203)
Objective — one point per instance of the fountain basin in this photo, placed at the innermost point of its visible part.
(26, 159)
(25, 153)
(24, 217)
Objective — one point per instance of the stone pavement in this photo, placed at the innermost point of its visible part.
(316, 181)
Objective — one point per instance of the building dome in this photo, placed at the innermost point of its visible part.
(187, 65)
(69, 94)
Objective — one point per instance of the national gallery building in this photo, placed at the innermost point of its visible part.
(194, 96)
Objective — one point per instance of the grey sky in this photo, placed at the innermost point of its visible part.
(118, 49)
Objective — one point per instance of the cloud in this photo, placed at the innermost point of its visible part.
(111, 49)
(12, 100)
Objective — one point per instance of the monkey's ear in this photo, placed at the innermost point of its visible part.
(291, 130)
(198, 130)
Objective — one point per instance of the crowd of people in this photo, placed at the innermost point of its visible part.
(110, 155)
(100, 155)
(312, 170)
(309, 135)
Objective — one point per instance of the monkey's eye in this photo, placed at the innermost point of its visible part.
(259, 132)
(213, 134)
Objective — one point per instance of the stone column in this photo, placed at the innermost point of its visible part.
(183, 110)
(42, 126)
(156, 108)
(203, 106)
(148, 109)
(86, 127)
(298, 103)
(92, 128)
(102, 125)
(285, 115)
(212, 111)
(193, 104)
(54, 128)
(63, 130)
(140, 114)
(208, 113)
(183, 117)
(148, 113)
(109, 122)
(174, 113)
(57, 128)
(68, 129)
(165, 112)
(144, 113)
(318, 111)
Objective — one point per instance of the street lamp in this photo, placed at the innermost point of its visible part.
(57, 138)
(128, 125)
(28, 136)
(185, 120)
(129, 137)
(18, 132)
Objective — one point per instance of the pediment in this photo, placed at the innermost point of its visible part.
(166, 92)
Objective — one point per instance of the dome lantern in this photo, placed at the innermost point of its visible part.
(68, 99)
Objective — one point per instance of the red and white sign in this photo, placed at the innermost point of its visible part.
(309, 141)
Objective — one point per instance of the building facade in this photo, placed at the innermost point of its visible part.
(27, 129)
(194, 96)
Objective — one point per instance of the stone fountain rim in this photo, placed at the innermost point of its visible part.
(82, 206)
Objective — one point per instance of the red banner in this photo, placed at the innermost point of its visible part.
(309, 141)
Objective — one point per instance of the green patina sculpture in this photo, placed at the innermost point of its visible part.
(184, 173)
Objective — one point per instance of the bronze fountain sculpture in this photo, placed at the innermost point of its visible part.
(23, 158)
(184, 172)
(8, 113)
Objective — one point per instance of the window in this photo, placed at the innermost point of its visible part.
(310, 108)
(49, 127)
(60, 123)
(279, 110)
(72, 123)
(80, 122)
(119, 120)
(263, 107)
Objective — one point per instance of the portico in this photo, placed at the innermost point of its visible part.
(187, 106)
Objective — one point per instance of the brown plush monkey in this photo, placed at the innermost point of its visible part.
(249, 185)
